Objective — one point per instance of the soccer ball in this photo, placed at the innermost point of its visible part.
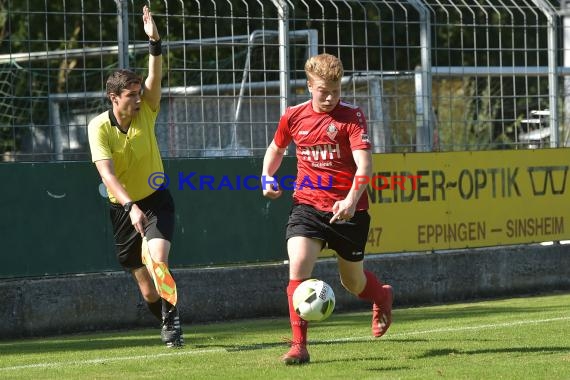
(314, 300)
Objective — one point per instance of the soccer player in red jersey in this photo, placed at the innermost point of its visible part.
(332, 143)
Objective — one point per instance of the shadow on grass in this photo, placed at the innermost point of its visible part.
(260, 346)
(76, 343)
(510, 350)
(120, 341)
(364, 360)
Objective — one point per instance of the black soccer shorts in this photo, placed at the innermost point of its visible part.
(347, 238)
(159, 210)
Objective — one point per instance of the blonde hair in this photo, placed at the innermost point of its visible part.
(325, 66)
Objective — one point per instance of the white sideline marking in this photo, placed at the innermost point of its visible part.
(449, 329)
(218, 350)
(109, 360)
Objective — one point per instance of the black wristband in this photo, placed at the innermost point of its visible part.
(155, 47)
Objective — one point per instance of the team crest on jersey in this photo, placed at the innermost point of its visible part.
(332, 131)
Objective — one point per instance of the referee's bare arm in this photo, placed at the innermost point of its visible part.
(152, 83)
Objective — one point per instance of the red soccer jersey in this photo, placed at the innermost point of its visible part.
(324, 143)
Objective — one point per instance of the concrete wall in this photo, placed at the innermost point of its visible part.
(49, 306)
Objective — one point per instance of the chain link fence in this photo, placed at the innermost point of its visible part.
(431, 75)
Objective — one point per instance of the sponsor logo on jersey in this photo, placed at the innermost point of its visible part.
(365, 138)
(323, 164)
(320, 152)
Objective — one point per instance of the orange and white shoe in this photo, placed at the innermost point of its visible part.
(382, 314)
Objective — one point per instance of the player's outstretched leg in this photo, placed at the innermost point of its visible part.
(298, 353)
(382, 297)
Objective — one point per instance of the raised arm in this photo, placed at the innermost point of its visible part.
(152, 90)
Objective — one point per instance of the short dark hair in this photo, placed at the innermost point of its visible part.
(121, 79)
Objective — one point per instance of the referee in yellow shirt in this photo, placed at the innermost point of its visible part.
(125, 151)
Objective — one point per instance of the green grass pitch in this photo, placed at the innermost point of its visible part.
(518, 338)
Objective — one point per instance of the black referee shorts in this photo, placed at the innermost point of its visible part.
(159, 210)
(347, 238)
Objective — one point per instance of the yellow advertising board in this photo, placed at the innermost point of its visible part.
(434, 201)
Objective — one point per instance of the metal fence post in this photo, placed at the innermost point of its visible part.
(123, 32)
(552, 17)
(565, 12)
(378, 126)
(283, 31)
(424, 131)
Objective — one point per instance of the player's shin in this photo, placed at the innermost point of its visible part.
(156, 308)
(373, 289)
(381, 297)
(161, 276)
(298, 325)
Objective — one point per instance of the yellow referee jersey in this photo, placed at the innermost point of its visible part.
(135, 154)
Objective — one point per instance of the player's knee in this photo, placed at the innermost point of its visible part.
(353, 284)
(149, 294)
